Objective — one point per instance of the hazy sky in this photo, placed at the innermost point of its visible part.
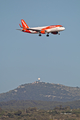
(25, 57)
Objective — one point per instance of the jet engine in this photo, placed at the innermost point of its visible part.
(54, 33)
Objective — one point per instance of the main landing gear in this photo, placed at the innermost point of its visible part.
(39, 34)
(47, 35)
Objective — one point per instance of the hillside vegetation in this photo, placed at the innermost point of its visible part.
(58, 113)
(46, 105)
(42, 91)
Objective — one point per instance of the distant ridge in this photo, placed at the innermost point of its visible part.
(42, 91)
(46, 105)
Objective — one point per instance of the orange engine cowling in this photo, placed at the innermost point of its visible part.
(54, 32)
(43, 31)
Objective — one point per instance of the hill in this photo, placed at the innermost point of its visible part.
(42, 91)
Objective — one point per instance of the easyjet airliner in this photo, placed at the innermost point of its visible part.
(54, 29)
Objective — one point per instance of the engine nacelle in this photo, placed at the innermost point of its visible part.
(54, 33)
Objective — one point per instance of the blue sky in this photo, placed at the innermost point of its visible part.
(25, 57)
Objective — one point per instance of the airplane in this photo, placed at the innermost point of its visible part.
(54, 29)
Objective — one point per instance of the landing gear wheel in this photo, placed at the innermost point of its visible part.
(47, 35)
(39, 34)
(58, 33)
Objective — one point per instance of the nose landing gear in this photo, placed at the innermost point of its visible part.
(58, 33)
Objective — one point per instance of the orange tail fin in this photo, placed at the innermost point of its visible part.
(24, 25)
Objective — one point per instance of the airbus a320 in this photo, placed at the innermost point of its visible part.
(54, 29)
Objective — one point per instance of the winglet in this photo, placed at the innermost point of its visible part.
(19, 25)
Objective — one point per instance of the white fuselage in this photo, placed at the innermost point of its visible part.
(58, 29)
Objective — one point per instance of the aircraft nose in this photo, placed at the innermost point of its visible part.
(63, 28)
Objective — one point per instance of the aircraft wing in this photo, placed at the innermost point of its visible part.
(37, 30)
(31, 29)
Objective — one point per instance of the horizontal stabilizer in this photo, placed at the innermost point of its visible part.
(19, 29)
